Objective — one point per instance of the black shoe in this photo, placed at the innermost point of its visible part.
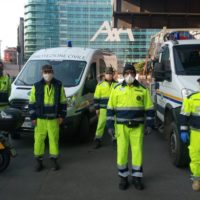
(97, 144)
(123, 184)
(137, 182)
(39, 166)
(55, 164)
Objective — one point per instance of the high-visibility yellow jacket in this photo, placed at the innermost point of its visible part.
(190, 112)
(5, 88)
(47, 101)
(130, 105)
(102, 93)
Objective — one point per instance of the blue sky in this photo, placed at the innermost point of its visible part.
(11, 11)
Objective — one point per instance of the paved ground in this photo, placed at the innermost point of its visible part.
(91, 174)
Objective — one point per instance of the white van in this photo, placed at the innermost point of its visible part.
(176, 73)
(78, 69)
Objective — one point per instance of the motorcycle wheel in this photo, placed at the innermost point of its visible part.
(4, 159)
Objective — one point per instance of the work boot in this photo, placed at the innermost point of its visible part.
(39, 166)
(55, 164)
(123, 184)
(196, 185)
(97, 143)
(137, 182)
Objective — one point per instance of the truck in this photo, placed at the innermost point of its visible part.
(174, 63)
(79, 70)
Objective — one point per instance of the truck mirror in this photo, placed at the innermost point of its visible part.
(159, 73)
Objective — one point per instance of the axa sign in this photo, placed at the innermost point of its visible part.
(113, 34)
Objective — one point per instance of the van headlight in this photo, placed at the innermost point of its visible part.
(71, 101)
(186, 92)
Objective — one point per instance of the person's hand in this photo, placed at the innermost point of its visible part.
(111, 132)
(97, 112)
(148, 130)
(60, 120)
(185, 136)
(34, 122)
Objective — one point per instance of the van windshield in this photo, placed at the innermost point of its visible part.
(187, 59)
(67, 71)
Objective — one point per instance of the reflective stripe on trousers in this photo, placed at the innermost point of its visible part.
(194, 152)
(43, 128)
(101, 123)
(134, 137)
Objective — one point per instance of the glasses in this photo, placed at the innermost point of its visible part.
(48, 71)
(129, 72)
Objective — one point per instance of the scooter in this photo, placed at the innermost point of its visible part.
(10, 118)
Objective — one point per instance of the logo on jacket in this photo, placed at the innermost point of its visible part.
(139, 98)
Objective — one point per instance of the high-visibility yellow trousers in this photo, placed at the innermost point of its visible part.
(134, 137)
(101, 124)
(194, 152)
(43, 128)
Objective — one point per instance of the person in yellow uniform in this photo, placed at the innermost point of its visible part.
(129, 107)
(190, 134)
(5, 87)
(47, 107)
(101, 96)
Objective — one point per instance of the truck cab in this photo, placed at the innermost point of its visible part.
(175, 74)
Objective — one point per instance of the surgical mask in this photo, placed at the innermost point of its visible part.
(48, 77)
(129, 79)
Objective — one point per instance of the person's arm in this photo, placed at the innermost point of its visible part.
(63, 106)
(111, 110)
(97, 99)
(149, 109)
(32, 106)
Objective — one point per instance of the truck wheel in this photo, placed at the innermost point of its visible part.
(84, 129)
(4, 159)
(178, 151)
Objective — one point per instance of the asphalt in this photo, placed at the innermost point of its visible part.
(92, 175)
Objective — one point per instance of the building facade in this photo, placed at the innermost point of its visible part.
(156, 13)
(87, 23)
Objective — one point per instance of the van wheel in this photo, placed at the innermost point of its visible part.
(177, 149)
(84, 129)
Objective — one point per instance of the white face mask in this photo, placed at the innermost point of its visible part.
(129, 79)
(48, 77)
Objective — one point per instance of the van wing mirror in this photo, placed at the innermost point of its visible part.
(90, 85)
(159, 73)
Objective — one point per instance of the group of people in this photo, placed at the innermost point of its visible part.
(124, 108)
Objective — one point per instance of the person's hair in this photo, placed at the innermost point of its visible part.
(47, 67)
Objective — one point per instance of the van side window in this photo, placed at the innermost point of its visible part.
(91, 80)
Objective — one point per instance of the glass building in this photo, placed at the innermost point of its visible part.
(87, 23)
